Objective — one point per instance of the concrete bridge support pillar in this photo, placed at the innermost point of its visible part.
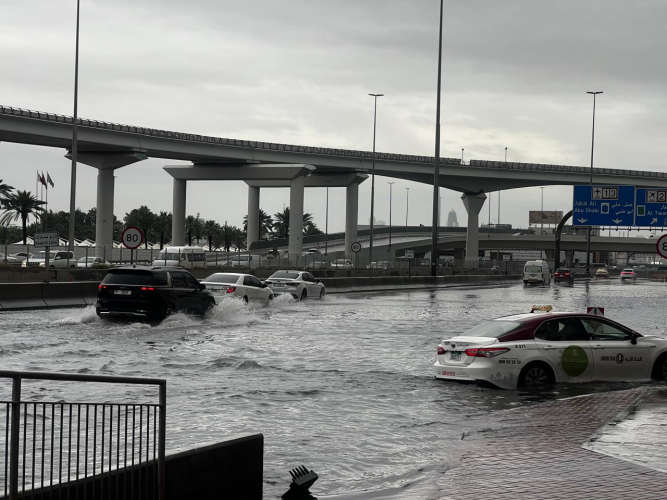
(106, 162)
(351, 217)
(253, 215)
(473, 204)
(104, 221)
(295, 244)
(178, 213)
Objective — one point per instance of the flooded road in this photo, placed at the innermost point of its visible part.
(344, 385)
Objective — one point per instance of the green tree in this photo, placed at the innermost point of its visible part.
(265, 224)
(143, 218)
(5, 190)
(281, 224)
(21, 205)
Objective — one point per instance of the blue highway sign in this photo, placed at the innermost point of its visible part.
(651, 207)
(604, 206)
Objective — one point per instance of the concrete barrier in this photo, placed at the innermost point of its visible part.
(15, 296)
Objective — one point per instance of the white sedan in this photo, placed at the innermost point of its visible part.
(92, 262)
(299, 284)
(539, 349)
(244, 286)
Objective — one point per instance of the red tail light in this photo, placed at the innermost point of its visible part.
(486, 352)
(147, 289)
(231, 289)
(566, 274)
(556, 275)
(100, 286)
(441, 350)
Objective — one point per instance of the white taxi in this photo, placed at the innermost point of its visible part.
(537, 349)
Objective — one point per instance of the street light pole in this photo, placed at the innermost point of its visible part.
(436, 170)
(594, 93)
(407, 204)
(326, 226)
(498, 218)
(370, 245)
(72, 195)
(390, 186)
(462, 149)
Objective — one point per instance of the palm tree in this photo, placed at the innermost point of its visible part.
(281, 224)
(5, 190)
(265, 223)
(21, 205)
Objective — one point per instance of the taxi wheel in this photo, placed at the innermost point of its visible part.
(536, 375)
(660, 368)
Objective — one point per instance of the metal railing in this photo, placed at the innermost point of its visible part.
(80, 449)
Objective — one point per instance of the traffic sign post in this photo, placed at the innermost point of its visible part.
(651, 207)
(604, 206)
(661, 246)
(132, 238)
(356, 248)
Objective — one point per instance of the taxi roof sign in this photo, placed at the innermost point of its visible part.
(545, 308)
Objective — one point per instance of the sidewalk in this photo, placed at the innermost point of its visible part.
(543, 452)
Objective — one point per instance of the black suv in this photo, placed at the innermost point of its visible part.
(151, 293)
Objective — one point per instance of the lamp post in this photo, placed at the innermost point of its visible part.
(407, 204)
(498, 218)
(462, 149)
(594, 93)
(72, 195)
(436, 170)
(370, 244)
(390, 186)
(326, 226)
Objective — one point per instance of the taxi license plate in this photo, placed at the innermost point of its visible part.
(122, 292)
(455, 356)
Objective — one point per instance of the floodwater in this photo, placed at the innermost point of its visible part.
(344, 385)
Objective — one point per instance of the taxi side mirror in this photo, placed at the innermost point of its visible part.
(633, 340)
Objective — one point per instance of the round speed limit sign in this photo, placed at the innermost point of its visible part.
(132, 237)
(661, 246)
(355, 247)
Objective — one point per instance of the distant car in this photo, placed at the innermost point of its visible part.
(57, 259)
(21, 256)
(244, 286)
(150, 293)
(383, 265)
(563, 274)
(342, 264)
(244, 260)
(299, 284)
(601, 272)
(316, 261)
(10, 260)
(540, 349)
(92, 262)
(536, 271)
(628, 274)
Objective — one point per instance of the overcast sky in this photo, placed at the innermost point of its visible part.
(515, 74)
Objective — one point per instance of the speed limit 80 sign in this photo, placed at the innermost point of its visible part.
(661, 246)
(132, 237)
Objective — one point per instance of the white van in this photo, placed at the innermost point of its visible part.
(187, 257)
(536, 271)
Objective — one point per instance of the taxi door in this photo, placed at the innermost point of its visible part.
(616, 357)
(565, 344)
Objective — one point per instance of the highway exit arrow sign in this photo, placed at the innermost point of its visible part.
(603, 206)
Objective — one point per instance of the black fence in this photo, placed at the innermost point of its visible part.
(59, 449)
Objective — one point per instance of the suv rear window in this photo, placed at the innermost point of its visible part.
(136, 277)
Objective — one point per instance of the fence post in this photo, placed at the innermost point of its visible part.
(161, 447)
(14, 440)
(86, 257)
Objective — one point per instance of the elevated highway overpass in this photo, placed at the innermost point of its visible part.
(107, 146)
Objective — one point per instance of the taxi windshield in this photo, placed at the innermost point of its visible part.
(492, 329)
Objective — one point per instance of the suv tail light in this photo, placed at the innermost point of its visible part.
(147, 289)
(486, 352)
(231, 289)
(556, 275)
(101, 286)
(441, 350)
